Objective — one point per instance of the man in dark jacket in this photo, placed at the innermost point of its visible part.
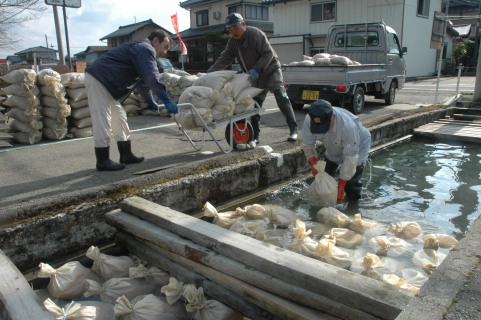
(257, 57)
(110, 80)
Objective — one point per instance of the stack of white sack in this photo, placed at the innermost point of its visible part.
(22, 92)
(55, 108)
(4, 135)
(81, 125)
(323, 59)
(217, 96)
(131, 105)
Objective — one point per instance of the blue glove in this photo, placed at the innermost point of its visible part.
(170, 105)
(152, 104)
(209, 71)
(253, 74)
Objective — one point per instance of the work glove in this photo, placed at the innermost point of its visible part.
(253, 74)
(312, 161)
(341, 185)
(152, 105)
(170, 105)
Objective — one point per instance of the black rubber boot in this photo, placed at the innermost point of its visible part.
(103, 160)
(126, 155)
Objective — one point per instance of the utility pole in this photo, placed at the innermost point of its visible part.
(446, 21)
(59, 35)
(66, 37)
(48, 50)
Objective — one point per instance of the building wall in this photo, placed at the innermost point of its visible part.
(293, 18)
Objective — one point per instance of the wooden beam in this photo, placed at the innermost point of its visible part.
(359, 292)
(278, 306)
(17, 299)
(187, 249)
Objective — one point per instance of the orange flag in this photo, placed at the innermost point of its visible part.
(175, 23)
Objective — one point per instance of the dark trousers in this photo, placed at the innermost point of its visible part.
(354, 185)
(284, 105)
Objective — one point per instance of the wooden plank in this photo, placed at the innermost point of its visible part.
(199, 254)
(280, 307)
(363, 293)
(459, 122)
(17, 299)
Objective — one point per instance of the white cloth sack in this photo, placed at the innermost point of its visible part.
(323, 190)
(107, 266)
(148, 307)
(114, 288)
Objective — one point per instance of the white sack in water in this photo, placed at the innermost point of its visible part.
(327, 251)
(367, 227)
(445, 241)
(277, 237)
(302, 243)
(157, 276)
(249, 227)
(318, 229)
(394, 280)
(148, 307)
(414, 277)
(389, 246)
(173, 290)
(333, 217)
(223, 219)
(280, 216)
(72, 311)
(255, 211)
(203, 309)
(67, 282)
(323, 190)
(107, 266)
(215, 80)
(405, 230)
(382, 265)
(113, 288)
(346, 238)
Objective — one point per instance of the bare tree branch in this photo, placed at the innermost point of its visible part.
(12, 14)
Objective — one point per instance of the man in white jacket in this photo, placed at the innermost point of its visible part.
(347, 143)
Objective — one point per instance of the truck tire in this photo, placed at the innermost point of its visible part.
(296, 106)
(357, 105)
(390, 96)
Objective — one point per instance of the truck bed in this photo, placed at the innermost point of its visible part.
(334, 74)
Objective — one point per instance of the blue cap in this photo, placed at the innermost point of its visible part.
(320, 113)
(233, 19)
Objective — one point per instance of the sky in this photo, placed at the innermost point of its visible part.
(94, 20)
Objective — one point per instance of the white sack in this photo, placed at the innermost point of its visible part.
(323, 190)
(107, 266)
(215, 80)
(27, 76)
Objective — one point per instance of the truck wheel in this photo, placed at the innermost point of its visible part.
(358, 101)
(296, 106)
(390, 96)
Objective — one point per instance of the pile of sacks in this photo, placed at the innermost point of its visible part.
(80, 122)
(176, 82)
(216, 96)
(119, 287)
(5, 137)
(54, 105)
(399, 254)
(323, 59)
(25, 124)
(132, 105)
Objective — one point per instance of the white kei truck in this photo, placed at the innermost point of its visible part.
(382, 69)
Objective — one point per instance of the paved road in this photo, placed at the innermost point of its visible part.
(47, 169)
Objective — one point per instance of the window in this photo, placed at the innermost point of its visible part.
(202, 18)
(394, 46)
(356, 39)
(423, 8)
(256, 12)
(325, 11)
(234, 9)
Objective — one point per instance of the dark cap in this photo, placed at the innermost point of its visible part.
(233, 19)
(320, 113)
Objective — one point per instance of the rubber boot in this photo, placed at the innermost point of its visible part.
(126, 155)
(103, 160)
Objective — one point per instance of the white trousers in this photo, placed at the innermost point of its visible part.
(108, 115)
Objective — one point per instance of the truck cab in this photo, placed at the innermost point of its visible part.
(379, 68)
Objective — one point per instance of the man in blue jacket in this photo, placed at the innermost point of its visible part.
(110, 79)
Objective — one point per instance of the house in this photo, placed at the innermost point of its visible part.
(208, 17)
(46, 55)
(131, 32)
(301, 26)
(464, 15)
(90, 54)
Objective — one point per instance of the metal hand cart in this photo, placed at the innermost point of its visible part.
(238, 128)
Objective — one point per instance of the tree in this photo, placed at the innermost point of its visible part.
(12, 14)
